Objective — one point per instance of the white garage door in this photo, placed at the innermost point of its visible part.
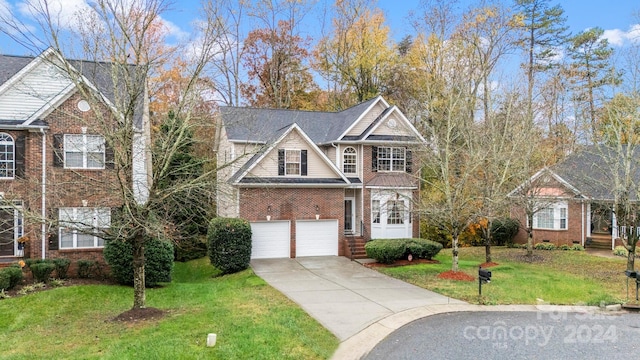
(270, 239)
(316, 237)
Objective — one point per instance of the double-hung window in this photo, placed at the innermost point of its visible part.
(83, 151)
(7, 156)
(552, 217)
(80, 226)
(395, 212)
(375, 211)
(292, 162)
(391, 159)
(349, 161)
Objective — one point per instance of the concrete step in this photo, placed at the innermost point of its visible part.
(600, 245)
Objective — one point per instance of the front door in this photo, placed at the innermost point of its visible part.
(349, 211)
(7, 231)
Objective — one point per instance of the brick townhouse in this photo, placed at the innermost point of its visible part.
(57, 173)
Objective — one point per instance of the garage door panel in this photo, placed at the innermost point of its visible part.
(270, 240)
(317, 238)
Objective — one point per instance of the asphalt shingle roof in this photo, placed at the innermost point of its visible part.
(259, 125)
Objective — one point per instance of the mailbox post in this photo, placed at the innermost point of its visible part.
(484, 276)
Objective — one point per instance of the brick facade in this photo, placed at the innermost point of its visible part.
(574, 234)
(64, 187)
(295, 204)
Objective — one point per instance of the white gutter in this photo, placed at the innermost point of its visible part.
(43, 225)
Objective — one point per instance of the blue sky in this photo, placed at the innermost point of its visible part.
(616, 17)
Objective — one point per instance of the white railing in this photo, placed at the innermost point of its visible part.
(624, 231)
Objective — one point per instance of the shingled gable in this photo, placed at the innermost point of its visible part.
(241, 175)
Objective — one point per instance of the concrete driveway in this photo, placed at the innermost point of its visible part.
(344, 296)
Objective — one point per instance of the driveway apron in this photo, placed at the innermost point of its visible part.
(344, 296)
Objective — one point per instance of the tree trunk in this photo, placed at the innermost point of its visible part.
(487, 243)
(139, 296)
(454, 262)
(631, 250)
(530, 237)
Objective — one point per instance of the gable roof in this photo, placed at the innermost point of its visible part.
(96, 74)
(589, 172)
(257, 125)
(240, 175)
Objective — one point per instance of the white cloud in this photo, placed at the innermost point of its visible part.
(173, 29)
(64, 13)
(617, 37)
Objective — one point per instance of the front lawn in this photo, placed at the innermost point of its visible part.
(251, 320)
(558, 277)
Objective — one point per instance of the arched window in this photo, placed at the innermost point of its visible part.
(349, 161)
(7, 156)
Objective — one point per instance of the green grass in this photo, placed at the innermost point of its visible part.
(559, 277)
(251, 320)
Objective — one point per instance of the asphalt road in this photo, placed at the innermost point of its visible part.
(514, 335)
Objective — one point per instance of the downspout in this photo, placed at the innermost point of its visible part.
(43, 225)
(583, 224)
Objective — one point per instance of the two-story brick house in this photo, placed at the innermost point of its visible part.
(56, 170)
(319, 183)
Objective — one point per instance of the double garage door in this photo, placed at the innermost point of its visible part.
(271, 239)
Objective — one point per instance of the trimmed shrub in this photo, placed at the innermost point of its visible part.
(544, 246)
(577, 247)
(15, 275)
(42, 271)
(85, 268)
(158, 261)
(62, 267)
(194, 247)
(422, 248)
(229, 244)
(5, 281)
(386, 251)
(564, 247)
(620, 251)
(503, 231)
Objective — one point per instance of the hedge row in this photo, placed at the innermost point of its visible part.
(158, 261)
(387, 251)
(10, 277)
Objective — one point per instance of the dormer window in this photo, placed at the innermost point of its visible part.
(349, 161)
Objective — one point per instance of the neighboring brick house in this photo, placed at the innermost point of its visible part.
(54, 162)
(572, 202)
(319, 183)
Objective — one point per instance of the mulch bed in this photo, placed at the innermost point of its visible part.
(142, 314)
(403, 263)
(456, 275)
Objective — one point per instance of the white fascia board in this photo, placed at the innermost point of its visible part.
(540, 172)
(373, 104)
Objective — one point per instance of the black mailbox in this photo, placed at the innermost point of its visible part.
(631, 274)
(484, 275)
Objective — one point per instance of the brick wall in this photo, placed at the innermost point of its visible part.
(65, 187)
(294, 204)
(573, 233)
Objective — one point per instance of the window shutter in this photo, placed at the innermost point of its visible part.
(280, 161)
(303, 162)
(58, 150)
(108, 156)
(408, 161)
(374, 158)
(19, 156)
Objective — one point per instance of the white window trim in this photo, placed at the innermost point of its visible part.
(375, 211)
(299, 162)
(400, 219)
(85, 153)
(12, 143)
(557, 212)
(106, 222)
(392, 158)
(353, 154)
